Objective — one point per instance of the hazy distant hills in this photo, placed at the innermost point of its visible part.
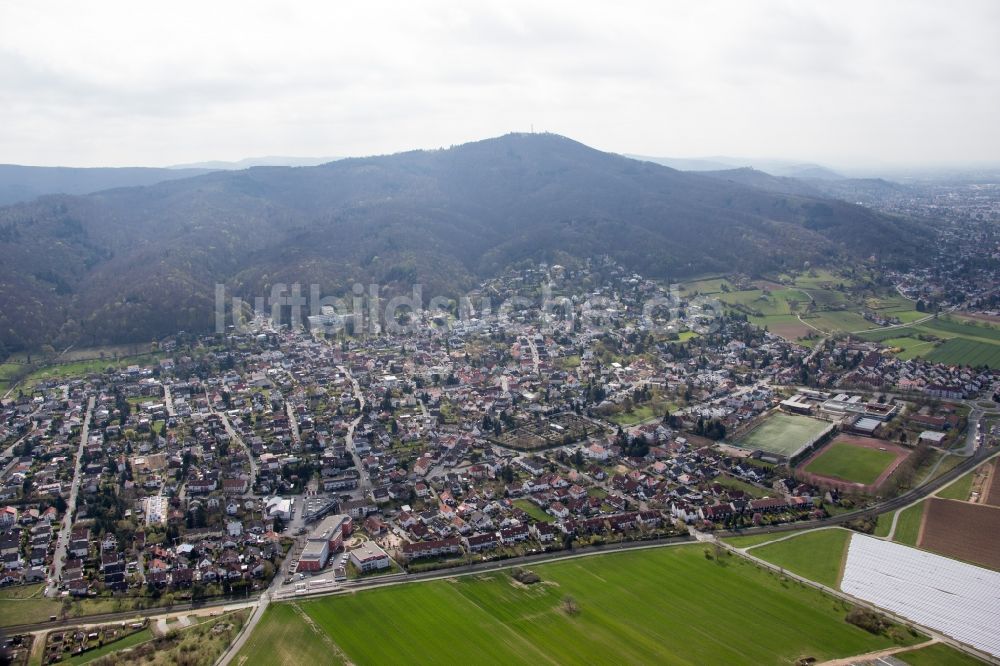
(780, 168)
(141, 262)
(863, 190)
(23, 183)
(248, 162)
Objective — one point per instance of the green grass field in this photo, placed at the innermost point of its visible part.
(939, 654)
(666, 606)
(633, 416)
(706, 286)
(777, 302)
(783, 433)
(738, 484)
(857, 464)
(533, 510)
(909, 348)
(816, 555)
(908, 525)
(752, 540)
(884, 524)
(960, 489)
(8, 371)
(838, 320)
(961, 343)
(24, 604)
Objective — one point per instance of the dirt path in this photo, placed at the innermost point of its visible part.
(872, 656)
(892, 527)
(923, 523)
(37, 654)
(983, 486)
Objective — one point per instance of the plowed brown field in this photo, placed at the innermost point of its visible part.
(962, 530)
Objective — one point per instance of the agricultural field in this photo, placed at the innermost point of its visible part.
(991, 493)
(783, 434)
(962, 530)
(845, 460)
(766, 303)
(285, 635)
(946, 340)
(786, 326)
(817, 555)
(959, 351)
(648, 606)
(833, 321)
(909, 348)
(821, 297)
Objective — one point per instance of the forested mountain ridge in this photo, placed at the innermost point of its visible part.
(137, 263)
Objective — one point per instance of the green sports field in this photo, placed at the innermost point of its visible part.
(665, 606)
(783, 434)
(841, 460)
(816, 555)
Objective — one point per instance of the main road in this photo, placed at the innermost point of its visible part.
(239, 440)
(363, 480)
(62, 541)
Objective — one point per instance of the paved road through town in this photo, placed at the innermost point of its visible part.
(62, 541)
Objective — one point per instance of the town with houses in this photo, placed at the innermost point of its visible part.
(219, 465)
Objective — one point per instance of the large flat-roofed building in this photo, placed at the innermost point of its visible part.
(865, 425)
(326, 538)
(369, 557)
(314, 556)
(798, 404)
(846, 404)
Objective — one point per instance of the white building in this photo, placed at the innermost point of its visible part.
(279, 507)
(369, 557)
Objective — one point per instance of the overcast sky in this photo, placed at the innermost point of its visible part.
(842, 83)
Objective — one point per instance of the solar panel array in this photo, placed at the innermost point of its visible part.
(957, 599)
